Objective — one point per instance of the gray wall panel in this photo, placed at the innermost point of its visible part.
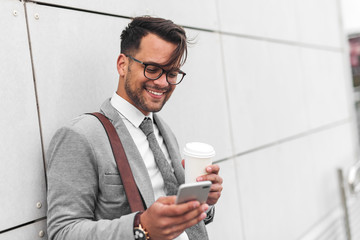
(32, 231)
(301, 21)
(325, 86)
(265, 91)
(228, 223)
(281, 90)
(199, 102)
(22, 182)
(319, 22)
(202, 13)
(288, 188)
(75, 62)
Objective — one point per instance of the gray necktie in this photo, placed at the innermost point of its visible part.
(171, 184)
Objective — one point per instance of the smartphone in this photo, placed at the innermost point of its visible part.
(193, 191)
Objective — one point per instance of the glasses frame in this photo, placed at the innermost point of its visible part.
(162, 70)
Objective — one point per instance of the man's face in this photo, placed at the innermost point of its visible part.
(146, 95)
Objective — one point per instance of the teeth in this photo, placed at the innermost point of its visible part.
(155, 93)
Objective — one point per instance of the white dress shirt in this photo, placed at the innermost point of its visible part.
(132, 118)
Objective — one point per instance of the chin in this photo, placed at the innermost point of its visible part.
(153, 108)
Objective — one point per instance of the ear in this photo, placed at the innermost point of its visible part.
(122, 63)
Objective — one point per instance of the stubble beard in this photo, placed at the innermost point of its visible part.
(136, 95)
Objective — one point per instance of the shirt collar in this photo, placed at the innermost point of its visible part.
(128, 111)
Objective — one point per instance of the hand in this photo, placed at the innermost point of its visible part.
(167, 220)
(216, 187)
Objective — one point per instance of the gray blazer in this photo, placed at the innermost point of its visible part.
(86, 199)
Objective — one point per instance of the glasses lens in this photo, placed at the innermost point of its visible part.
(174, 77)
(153, 72)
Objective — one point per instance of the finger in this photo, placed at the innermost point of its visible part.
(194, 217)
(188, 216)
(174, 230)
(183, 163)
(184, 225)
(174, 224)
(214, 195)
(210, 177)
(189, 219)
(212, 200)
(216, 188)
(176, 210)
(213, 169)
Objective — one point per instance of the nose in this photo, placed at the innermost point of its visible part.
(161, 81)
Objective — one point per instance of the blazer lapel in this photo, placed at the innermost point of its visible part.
(136, 162)
(172, 147)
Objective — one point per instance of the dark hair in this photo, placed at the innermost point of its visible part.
(139, 27)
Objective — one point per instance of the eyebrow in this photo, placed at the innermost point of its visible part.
(153, 63)
(161, 66)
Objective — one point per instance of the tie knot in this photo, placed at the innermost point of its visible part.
(146, 126)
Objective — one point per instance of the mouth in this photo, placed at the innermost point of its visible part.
(156, 92)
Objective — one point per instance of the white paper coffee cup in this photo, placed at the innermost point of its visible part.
(197, 157)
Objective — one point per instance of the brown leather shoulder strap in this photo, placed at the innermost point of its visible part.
(131, 190)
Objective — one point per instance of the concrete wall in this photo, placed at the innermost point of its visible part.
(267, 85)
(350, 17)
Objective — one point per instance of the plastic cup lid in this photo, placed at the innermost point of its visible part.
(200, 150)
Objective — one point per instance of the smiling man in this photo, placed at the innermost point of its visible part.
(86, 198)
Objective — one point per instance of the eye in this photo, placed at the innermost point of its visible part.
(173, 74)
(152, 69)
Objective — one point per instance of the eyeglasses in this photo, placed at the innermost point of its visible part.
(153, 72)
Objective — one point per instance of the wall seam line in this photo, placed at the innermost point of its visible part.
(289, 139)
(36, 91)
(227, 99)
(240, 35)
(23, 225)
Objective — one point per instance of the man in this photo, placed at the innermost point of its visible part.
(86, 199)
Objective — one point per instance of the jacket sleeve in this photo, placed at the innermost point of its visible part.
(72, 175)
(210, 215)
